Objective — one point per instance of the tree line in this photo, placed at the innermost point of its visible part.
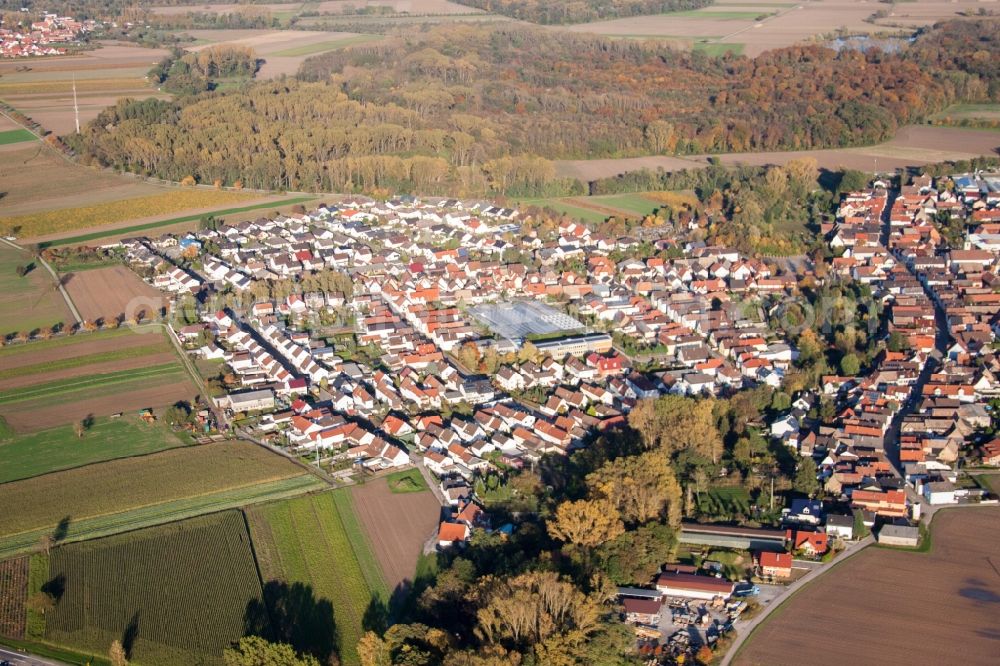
(482, 110)
(555, 12)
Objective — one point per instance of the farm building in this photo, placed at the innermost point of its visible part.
(940, 492)
(690, 586)
(642, 611)
(742, 538)
(899, 535)
(774, 565)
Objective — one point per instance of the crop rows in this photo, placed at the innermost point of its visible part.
(88, 359)
(90, 383)
(173, 594)
(305, 540)
(13, 592)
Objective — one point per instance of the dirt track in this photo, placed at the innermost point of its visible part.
(897, 607)
(108, 292)
(397, 524)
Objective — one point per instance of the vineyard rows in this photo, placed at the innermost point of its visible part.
(13, 592)
(175, 593)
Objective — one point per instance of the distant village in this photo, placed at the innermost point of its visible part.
(46, 37)
(465, 339)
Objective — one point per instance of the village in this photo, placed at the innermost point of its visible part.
(49, 36)
(466, 340)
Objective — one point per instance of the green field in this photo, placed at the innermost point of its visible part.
(628, 203)
(25, 456)
(28, 302)
(408, 481)
(576, 212)
(175, 594)
(95, 385)
(719, 48)
(120, 231)
(316, 543)
(178, 480)
(85, 359)
(16, 136)
(320, 47)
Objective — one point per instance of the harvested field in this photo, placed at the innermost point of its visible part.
(13, 593)
(151, 356)
(939, 605)
(110, 292)
(398, 525)
(28, 174)
(282, 50)
(45, 93)
(179, 592)
(131, 483)
(780, 24)
(333, 6)
(913, 146)
(70, 348)
(31, 301)
(110, 212)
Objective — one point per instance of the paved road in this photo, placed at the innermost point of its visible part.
(23, 659)
(744, 630)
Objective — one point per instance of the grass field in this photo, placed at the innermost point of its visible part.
(25, 456)
(408, 481)
(175, 594)
(562, 207)
(111, 212)
(16, 136)
(315, 541)
(719, 48)
(62, 499)
(321, 47)
(724, 500)
(83, 238)
(28, 302)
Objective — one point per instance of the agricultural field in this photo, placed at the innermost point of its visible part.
(55, 449)
(397, 525)
(29, 172)
(106, 293)
(45, 92)
(312, 547)
(970, 115)
(282, 50)
(34, 225)
(938, 604)
(913, 146)
(9, 137)
(63, 380)
(13, 591)
(750, 27)
(599, 208)
(64, 500)
(174, 594)
(30, 301)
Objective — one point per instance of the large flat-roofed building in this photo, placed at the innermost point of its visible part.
(726, 536)
(577, 345)
(690, 586)
(519, 320)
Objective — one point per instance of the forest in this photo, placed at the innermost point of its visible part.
(554, 12)
(191, 73)
(481, 110)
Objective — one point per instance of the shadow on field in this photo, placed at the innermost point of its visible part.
(130, 634)
(55, 587)
(292, 614)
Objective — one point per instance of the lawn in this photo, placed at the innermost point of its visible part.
(25, 456)
(315, 542)
(407, 481)
(83, 238)
(16, 136)
(724, 501)
(111, 212)
(174, 594)
(62, 499)
(320, 47)
(27, 302)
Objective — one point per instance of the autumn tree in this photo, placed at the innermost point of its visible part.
(641, 488)
(585, 522)
(255, 651)
(116, 654)
(677, 423)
